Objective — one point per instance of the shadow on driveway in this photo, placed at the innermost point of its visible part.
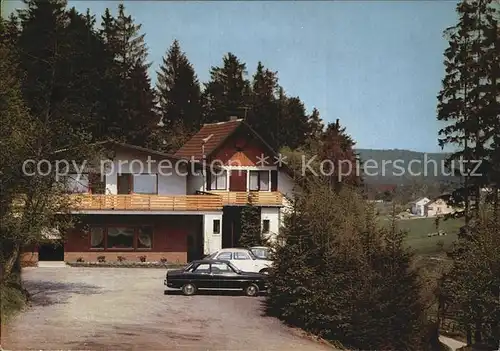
(213, 293)
(46, 293)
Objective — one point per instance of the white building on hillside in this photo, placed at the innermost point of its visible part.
(418, 206)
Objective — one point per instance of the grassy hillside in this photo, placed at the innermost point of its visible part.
(418, 229)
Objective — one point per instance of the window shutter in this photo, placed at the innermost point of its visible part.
(274, 180)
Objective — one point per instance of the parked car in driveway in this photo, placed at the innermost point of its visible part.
(215, 275)
(261, 252)
(243, 259)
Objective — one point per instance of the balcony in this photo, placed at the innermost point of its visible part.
(136, 202)
(257, 198)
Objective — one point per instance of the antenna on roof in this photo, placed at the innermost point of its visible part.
(203, 142)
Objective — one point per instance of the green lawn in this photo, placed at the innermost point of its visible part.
(418, 229)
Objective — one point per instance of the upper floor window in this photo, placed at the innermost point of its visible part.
(219, 181)
(86, 183)
(146, 183)
(77, 183)
(259, 181)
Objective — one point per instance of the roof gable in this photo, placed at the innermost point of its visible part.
(212, 137)
(421, 200)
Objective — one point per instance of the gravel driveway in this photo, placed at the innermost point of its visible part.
(125, 309)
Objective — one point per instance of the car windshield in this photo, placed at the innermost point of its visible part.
(260, 252)
(188, 267)
(252, 255)
(234, 267)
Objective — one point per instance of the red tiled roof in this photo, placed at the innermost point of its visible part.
(216, 132)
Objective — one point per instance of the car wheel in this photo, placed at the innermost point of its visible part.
(188, 289)
(251, 290)
(264, 271)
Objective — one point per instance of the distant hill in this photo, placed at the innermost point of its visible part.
(403, 167)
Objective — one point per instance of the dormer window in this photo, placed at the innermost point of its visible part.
(219, 181)
(259, 181)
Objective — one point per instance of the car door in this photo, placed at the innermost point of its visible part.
(226, 277)
(243, 261)
(201, 276)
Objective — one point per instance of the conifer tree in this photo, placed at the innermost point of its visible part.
(341, 277)
(178, 92)
(131, 109)
(338, 147)
(251, 233)
(48, 62)
(263, 115)
(293, 122)
(227, 92)
(315, 132)
(128, 43)
(467, 103)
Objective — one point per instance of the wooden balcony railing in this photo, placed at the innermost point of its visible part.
(136, 202)
(257, 198)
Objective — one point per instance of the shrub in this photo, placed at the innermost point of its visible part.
(163, 260)
(101, 259)
(250, 227)
(13, 299)
(121, 258)
(142, 258)
(80, 259)
(343, 278)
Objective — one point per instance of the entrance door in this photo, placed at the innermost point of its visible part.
(124, 183)
(51, 251)
(231, 226)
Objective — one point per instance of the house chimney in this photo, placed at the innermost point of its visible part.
(233, 118)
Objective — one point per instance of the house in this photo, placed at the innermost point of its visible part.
(180, 207)
(418, 206)
(439, 207)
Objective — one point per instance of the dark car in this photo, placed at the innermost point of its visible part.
(215, 275)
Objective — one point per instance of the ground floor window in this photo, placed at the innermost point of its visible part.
(121, 238)
(97, 238)
(266, 224)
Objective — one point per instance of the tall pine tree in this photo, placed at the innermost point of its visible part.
(133, 108)
(178, 91)
(55, 75)
(468, 105)
(263, 115)
(227, 92)
(467, 102)
(293, 122)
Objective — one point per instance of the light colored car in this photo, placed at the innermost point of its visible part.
(243, 259)
(261, 252)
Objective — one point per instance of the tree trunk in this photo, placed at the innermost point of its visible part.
(469, 335)
(477, 334)
(7, 268)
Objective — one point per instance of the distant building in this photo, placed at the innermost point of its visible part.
(418, 206)
(438, 207)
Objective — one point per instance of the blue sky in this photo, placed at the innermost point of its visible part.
(375, 65)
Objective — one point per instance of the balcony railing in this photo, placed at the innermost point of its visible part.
(257, 198)
(137, 202)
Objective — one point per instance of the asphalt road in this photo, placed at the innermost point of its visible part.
(126, 309)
